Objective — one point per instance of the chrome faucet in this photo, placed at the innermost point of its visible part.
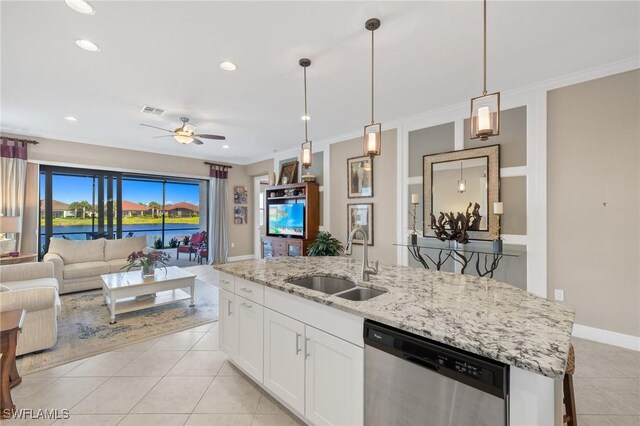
(367, 269)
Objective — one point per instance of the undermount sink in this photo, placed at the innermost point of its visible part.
(324, 284)
(339, 287)
(360, 294)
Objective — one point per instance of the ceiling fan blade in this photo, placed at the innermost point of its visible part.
(156, 127)
(163, 136)
(197, 141)
(218, 137)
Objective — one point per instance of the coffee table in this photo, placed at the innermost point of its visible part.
(120, 290)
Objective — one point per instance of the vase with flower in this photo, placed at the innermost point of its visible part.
(147, 261)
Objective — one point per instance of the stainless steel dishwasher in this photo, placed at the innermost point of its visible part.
(414, 381)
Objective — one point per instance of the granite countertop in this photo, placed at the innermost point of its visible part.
(479, 315)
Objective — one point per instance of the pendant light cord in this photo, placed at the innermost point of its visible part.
(372, 76)
(484, 51)
(306, 115)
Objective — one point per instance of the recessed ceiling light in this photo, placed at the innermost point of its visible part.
(80, 6)
(228, 66)
(225, 146)
(87, 45)
(70, 118)
(305, 118)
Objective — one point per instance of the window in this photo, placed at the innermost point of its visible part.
(81, 204)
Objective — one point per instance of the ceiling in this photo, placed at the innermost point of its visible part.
(167, 54)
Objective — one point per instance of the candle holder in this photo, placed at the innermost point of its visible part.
(413, 237)
(497, 243)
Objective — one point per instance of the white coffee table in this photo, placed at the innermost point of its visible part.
(121, 289)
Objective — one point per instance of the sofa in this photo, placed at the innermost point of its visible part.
(34, 288)
(79, 264)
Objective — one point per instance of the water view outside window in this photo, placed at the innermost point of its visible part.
(159, 209)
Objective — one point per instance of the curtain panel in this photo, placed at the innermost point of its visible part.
(218, 224)
(13, 177)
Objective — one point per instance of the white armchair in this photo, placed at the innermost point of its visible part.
(33, 287)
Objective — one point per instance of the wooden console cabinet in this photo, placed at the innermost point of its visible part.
(306, 193)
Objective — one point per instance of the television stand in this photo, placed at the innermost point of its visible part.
(283, 246)
(306, 193)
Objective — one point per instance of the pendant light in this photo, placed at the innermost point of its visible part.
(306, 151)
(462, 184)
(485, 109)
(373, 131)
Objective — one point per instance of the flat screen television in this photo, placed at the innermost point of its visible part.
(286, 220)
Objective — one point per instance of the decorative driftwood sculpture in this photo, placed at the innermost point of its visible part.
(450, 226)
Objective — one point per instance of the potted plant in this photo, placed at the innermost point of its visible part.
(325, 245)
(147, 261)
(158, 243)
(173, 243)
(185, 240)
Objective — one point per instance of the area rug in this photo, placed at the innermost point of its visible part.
(84, 329)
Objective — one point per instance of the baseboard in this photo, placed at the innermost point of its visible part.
(240, 258)
(626, 341)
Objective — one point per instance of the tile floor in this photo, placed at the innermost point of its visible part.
(183, 379)
(178, 379)
(607, 385)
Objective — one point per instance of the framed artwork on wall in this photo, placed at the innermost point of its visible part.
(360, 215)
(288, 173)
(360, 177)
(240, 215)
(240, 195)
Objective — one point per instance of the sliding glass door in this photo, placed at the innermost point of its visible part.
(78, 204)
(82, 204)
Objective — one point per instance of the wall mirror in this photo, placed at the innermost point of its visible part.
(453, 180)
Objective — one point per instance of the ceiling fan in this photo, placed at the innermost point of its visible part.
(185, 134)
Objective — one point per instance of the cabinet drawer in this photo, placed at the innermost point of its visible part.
(226, 281)
(249, 290)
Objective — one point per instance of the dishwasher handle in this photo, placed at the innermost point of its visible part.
(421, 362)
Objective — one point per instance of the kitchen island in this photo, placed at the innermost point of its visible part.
(477, 315)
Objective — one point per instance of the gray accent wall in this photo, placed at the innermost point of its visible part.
(513, 192)
(593, 150)
(427, 141)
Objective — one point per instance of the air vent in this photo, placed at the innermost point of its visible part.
(152, 110)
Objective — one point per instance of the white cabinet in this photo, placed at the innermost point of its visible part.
(228, 335)
(249, 331)
(334, 380)
(315, 373)
(284, 358)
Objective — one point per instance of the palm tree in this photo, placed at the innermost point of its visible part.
(155, 208)
(84, 205)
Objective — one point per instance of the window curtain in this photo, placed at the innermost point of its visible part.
(13, 177)
(218, 224)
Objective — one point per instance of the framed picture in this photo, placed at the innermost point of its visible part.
(240, 195)
(360, 177)
(360, 215)
(240, 215)
(288, 173)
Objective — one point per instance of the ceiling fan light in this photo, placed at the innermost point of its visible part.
(183, 139)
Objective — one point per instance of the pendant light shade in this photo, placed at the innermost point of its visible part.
(485, 110)
(372, 131)
(462, 183)
(306, 151)
(306, 155)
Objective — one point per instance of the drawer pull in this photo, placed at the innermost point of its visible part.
(229, 313)
(307, 352)
(298, 349)
(246, 306)
(246, 290)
